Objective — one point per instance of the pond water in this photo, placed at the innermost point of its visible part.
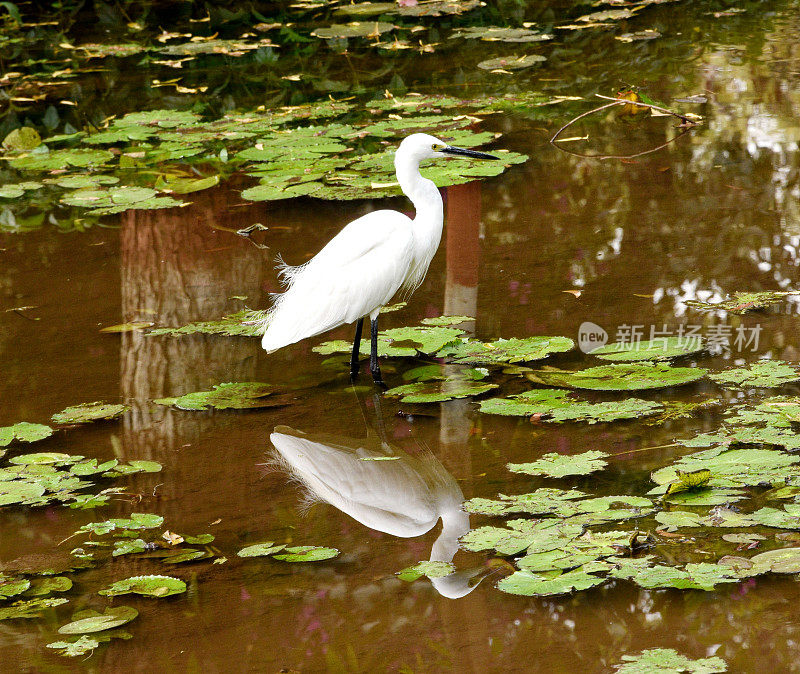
(548, 245)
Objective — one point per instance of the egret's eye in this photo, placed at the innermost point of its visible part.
(437, 148)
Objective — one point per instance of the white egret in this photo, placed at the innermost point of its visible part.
(362, 268)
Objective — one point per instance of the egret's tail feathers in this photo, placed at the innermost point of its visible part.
(286, 272)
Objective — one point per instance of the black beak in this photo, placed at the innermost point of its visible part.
(461, 152)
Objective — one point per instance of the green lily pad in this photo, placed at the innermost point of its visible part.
(148, 586)
(559, 406)
(234, 396)
(58, 159)
(371, 29)
(439, 391)
(505, 350)
(512, 62)
(743, 302)
(430, 569)
(260, 550)
(245, 323)
(679, 518)
(654, 350)
(668, 661)
(399, 342)
(560, 465)
(110, 618)
(72, 649)
(24, 432)
(306, 553)
(10, 587)
(31, 608)
(784, 560)
(88, 412)
(531, 584)
(11, 191)
(497, 34)
(22, 139)
(444, 321)
(41, 587)
(761, 374)
(620, 377)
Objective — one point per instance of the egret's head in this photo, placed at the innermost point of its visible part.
(420, 146)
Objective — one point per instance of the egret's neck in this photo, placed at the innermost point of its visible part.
(423, 193)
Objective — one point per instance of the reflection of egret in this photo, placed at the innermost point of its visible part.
(367, 263)
(383, 488)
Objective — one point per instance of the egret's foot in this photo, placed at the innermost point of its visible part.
(377, 378)
(354, 372)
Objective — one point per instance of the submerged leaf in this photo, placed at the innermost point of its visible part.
(112, 617)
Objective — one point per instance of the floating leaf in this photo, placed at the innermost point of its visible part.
(10, 587)
(679, 518)
(245, 323)
(654, 350)
(148, 586)
(512, 62)
(306, 553)
(354, 29)
(620, 377)
(560, 465)
(41, 587)
(73, 649)
(743, 302)
(668, 661)
(88, 412)
(399, 342)
(110, 618)
(439, 391)
(446, 320)
(127, 327)
(235, 396)
(260, 550)
(496, 34)
(761, 374)
(531, 584)
(505, 350)
(689, 480)
(559, 406)
(432, 569)
(22, 139)
(24, 432)
(29, 609)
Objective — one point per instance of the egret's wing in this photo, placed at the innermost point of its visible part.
(359, 270)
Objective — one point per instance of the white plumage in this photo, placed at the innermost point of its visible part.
(364, 266)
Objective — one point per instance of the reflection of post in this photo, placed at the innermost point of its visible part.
(461, 299)
(175, 269)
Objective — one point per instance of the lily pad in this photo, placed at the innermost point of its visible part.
(498, 34)
(438, 391)
(245, 323)
(531, 584)
(369, 29)
(505, 350)
(743, 302)
(234, 396)
(22, 139)
(560, 465)
(110, 618)
(88, 412)
(559, 406)
(30, 608)
(306, 553)
(148, 586)
(620, 377)
(430, 569)
(24, 432)
(761, 374)
(260, 550)
(668, 661)
(511, 63)
(399, 342)
(654, 350)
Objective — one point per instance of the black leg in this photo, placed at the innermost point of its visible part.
(373, 355)
(356, 350)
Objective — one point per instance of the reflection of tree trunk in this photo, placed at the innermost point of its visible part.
(461, 299)
(175, 270)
